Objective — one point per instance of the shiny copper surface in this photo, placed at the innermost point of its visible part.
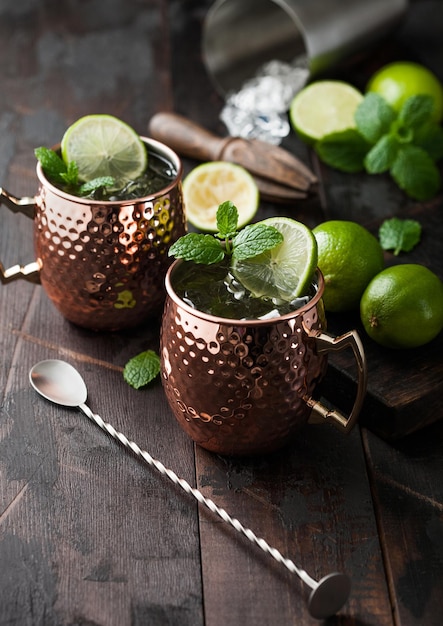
(240, 387)
(103, 264)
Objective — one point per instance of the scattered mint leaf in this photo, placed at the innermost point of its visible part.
(255, 239)
(343, 150)
(198, 248)
(381, 157)
(430, 138)
(415, 172)
(227, 220)
(374, 117)
(142, 369)
(95, 184)
(53, 165)
(415, 111)
(399, 235)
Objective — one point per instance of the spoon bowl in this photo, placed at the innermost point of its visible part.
(59, 382)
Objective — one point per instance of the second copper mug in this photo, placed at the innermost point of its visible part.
(242, 387)
(102, 263)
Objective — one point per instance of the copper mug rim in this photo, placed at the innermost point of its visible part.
(158, 146)
(239, 322)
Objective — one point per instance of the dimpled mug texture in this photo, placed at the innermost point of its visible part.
(103, 263)
(240, 388)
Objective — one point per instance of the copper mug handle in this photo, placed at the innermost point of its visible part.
(31, 271)
(328, 343)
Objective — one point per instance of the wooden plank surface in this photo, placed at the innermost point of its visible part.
(408, 495)
(89, 535)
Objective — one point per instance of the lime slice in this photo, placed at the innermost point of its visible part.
(285, 271)
(324, 107)
(210, 184)
(102, 145)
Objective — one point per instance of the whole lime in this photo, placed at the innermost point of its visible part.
(349, 256)
(397, 81)
(402, 307)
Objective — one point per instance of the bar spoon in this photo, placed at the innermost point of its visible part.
(61, 383)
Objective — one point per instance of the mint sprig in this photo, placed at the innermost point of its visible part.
(66, 174)
(406, 144)
(228, 241)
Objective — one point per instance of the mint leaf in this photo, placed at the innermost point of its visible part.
(255, 239)
(415, 172)
(141, 369)
(399, 235)
(430, 138)
(227, 220)
(374, 117)
(70, 177)
(416, 110)
(344, 150)
(95, 184)
(381, 157)
(198, 248)
(53, 165)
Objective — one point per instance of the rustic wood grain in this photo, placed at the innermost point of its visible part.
(410, 505)
(89, 534)
(315, 508)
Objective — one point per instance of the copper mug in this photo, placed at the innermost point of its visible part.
(102, 263)
(247, 387)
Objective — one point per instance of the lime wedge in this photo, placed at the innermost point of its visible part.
(102, 145)
(324, 107)
(210, 184)
(286, 271)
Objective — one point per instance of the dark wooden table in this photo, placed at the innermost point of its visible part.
(88, 534)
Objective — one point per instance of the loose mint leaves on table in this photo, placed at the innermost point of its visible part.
(142, 369)
(399, 235)
(406, 144)
(251, 241)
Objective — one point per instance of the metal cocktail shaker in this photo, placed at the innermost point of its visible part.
(239, 36)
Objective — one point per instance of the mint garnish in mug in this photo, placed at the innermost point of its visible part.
(207, 249)
(265, 269)
(103, 158)
(66, 174)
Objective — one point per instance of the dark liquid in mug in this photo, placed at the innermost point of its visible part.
(214, 290)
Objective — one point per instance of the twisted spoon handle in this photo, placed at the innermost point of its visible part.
(210, 504)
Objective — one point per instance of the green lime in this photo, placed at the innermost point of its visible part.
(102, 145)
(209, 184)
(397, 81)
(287, 270)
(349, 256)
(324, 107)
(402, 307)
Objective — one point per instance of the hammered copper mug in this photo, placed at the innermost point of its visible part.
(247, 387)
(102, 263)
